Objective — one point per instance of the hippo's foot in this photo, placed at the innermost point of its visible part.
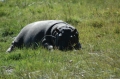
(10, 49)
(49, 47)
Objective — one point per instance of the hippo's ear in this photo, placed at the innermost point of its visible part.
(74, 31)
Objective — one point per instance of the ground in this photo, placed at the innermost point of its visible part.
(98, 23)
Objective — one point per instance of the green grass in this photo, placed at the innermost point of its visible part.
(98, 23)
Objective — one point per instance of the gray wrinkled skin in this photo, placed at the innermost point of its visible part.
(49, 33)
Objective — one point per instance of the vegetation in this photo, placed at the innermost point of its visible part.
(98, 23)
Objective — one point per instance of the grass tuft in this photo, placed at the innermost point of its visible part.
(14, 56)
(117, 30)
(97, 24)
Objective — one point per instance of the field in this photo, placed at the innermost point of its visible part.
(98, 23)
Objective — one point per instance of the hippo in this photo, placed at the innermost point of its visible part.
(49, 34)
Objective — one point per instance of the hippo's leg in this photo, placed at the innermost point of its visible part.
(11, 47)
(77, 46)
(47, 44)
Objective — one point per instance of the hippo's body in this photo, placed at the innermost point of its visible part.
(47, 33)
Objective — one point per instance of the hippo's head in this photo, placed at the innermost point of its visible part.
(66, 38)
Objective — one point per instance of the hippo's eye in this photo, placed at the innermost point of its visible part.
(60, 34)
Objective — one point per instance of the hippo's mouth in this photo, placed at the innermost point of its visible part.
(66, 45)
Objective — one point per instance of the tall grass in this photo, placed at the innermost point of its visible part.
(97, 22)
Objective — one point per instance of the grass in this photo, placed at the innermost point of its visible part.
(97, 22)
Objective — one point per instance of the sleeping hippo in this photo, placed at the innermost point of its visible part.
(48, 33)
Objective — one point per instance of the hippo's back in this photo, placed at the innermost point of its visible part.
(34, 32)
